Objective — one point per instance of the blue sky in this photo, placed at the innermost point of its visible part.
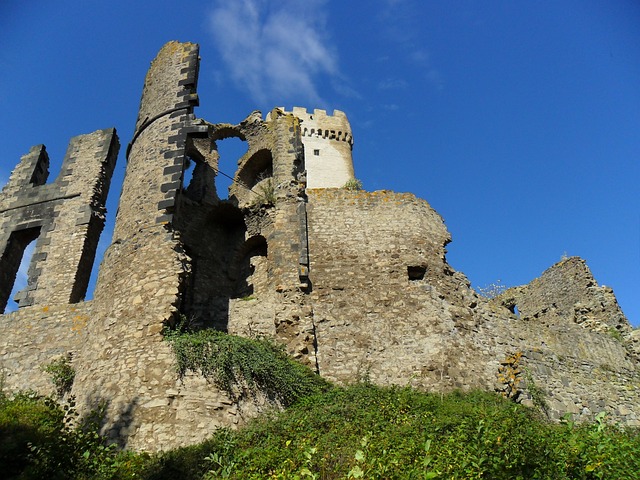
(517, 121)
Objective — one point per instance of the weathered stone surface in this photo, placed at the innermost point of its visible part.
(355, 284)
(66, 218)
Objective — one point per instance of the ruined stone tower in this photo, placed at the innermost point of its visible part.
(65, 218)
(354, 284)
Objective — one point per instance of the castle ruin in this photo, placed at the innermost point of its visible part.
(355, 284)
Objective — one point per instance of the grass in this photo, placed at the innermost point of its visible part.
(364, 431)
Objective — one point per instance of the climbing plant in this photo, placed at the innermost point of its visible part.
(242, 366)
(62, 374)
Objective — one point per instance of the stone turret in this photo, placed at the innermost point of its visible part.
(328, 143)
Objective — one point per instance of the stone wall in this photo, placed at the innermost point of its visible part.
(388, 307)
(33, 337)
(568, 291)
(355, 284)
(143, 278)
(380, 283)
(65, 218)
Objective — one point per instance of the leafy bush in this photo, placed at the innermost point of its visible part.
(62, 374)
(26, 420)
(236, 363)
(43, 439)
(361, 431)
(365, 431)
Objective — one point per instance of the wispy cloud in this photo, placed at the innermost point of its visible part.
(277, 50)
(392, 84)
(401, 25)
(436, 78)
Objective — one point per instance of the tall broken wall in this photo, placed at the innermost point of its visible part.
(64, 218)
(142, 281)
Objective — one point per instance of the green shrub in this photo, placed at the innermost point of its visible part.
(240, 365)
(266, 190)
(361, 431)
(40, 438)
(62, 374)
(365, 431)
(26, 420)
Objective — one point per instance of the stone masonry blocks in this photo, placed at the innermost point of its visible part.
(59, 216)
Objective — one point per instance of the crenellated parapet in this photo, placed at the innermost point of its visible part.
(318, 124)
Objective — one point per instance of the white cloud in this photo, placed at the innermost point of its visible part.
(400, 24)
(392, 84)
(420, 57)
(435, 77)
(277, 50)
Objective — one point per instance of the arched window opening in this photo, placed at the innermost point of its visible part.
(258, 168)
(14, 267)
(230, 149)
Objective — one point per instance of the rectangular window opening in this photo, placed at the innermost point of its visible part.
(416, 272)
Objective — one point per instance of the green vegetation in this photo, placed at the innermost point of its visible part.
(327, 432)
(615, 334)
(266, 190)
(538, 395)
(242, 366)
(62, 374)
(353, 184)
(40, 438)
(369, 432)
